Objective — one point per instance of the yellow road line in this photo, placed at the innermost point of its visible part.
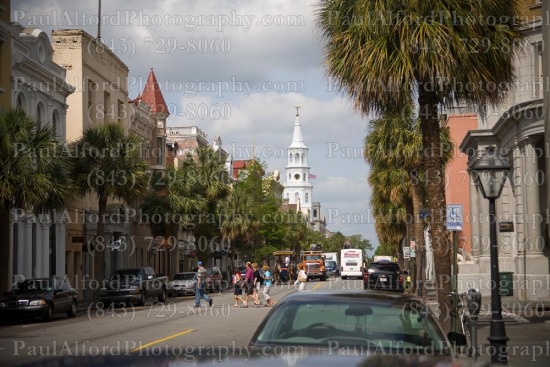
(161, 340)
(317, 286)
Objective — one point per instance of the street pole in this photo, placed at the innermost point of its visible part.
(497, 334)
(454, 290)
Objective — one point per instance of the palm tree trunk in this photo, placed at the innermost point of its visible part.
(5, 248)
(435, 185)
(416, 195)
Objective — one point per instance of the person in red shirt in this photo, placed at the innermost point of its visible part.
(249, 284)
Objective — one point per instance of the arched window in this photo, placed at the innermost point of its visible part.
(21, 101)
(55, 122)
(314, 213)
(297, 158)
(307, 197)
(290, 157)
(40, 112)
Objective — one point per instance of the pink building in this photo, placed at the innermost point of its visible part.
(457, 178)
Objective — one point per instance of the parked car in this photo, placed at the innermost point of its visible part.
(182, 284)
(40, 297)
(369, 322)
(134, 285)
(385, 275)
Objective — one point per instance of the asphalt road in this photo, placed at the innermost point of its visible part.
(175, 328)
(180, 330)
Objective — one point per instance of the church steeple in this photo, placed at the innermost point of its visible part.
(298, 188)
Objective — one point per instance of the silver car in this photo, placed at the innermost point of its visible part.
(182, 284)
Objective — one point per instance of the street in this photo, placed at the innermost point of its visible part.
(178, 329)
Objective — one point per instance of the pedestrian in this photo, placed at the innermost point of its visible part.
(258, 282)
(249, 284)
(237, 289)
(200, 292)
(267, 286)
(277, 272)
(302, 277)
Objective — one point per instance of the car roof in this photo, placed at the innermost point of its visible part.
(324, 295)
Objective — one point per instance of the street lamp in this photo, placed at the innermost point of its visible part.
(489, 172)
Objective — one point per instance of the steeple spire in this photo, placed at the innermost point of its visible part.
(297, 141)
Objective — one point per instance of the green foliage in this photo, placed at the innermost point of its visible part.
(34, 166)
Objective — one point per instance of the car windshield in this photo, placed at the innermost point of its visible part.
(128, 275)
(32, 286)
(185, 276)
(385, 267)
(343, 322)
(330, 264)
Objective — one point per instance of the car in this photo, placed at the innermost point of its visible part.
(182, 284)
(40, 297)
(385, 275)
(133, 286)
(367, 322)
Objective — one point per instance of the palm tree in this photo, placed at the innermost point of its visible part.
(34, 175)
(387, 54)
(393, 148)
(109, 164)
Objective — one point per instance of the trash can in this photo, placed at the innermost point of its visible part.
(506, 282)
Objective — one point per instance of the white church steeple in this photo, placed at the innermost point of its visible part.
(298, 189)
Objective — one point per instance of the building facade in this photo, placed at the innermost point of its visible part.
(517, 129)
(38, 87)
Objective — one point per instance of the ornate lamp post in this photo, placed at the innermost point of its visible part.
(490, 171)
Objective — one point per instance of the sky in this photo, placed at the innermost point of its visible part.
(236, 69)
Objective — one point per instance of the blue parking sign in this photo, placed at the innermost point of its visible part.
(454, 217)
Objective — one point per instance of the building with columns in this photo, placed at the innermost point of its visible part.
(517, 129)
(38, 86)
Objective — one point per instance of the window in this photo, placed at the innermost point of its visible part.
(538, 70)
(21, 101)
(307, 197)
(55, 122)
(40, 112)
(160, 151)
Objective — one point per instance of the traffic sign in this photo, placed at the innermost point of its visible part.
(454, 217)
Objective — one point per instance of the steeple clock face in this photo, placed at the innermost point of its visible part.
(297, 176)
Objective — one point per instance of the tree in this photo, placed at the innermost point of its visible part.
(393, 148)
(34, 175)
(389, 53)
(109, 164)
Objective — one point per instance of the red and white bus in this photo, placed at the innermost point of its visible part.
(351, 261)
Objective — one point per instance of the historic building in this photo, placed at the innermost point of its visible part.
(298, 189)
(38, 87)
(517, 129)
(5, 54)
(100, 80)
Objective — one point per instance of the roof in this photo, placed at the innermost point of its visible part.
(152, 95)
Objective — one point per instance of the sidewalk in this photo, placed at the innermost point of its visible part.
(527, 326)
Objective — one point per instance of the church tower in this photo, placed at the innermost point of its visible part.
(298, 188)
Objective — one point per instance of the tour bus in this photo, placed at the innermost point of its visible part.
(351, 262)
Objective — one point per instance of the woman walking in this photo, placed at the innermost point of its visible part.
(267, 286)
(302, 277)
(237, 290)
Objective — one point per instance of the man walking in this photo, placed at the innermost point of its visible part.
(249, 284)
(200, 292)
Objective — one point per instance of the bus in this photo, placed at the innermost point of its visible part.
(351, 262)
